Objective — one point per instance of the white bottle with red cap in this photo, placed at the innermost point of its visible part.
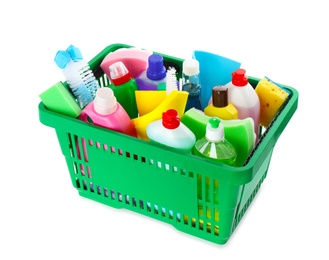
(170, 132)
(244, 97)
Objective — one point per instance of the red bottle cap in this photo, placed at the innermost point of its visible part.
(170, 119)
(239, 78)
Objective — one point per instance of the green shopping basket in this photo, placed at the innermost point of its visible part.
(196, 196)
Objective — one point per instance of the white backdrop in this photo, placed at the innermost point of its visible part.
(43, 217)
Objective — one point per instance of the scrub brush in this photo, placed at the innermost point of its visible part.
(171, 80)
(78, 75)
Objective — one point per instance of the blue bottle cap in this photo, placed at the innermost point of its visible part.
(74, 52)
(156, 70)
(62, 58)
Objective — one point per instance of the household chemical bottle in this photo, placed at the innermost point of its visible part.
(191, 83)
(148, 100)
(124, 87)
(154, 75)
(244, 97)
(175, 100)
(106, 112)
(214, 145)
(220, 106)
(78, 75)
(170, 132)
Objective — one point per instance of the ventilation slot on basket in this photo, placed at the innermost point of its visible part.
(103, 81)
(208, 204)
(250, 199)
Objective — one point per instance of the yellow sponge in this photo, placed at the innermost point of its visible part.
(271, 97)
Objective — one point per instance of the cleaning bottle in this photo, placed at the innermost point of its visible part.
(124, 87)
(170, 132)
(154, 75)
(175, 100)
(219, 105)
(214, 145)
(147, 100)
(191, 83)
(78, 75)
(106, 112)
(244, 97)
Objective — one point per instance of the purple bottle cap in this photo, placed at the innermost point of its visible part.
(156, 70)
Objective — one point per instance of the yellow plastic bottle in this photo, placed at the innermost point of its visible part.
(175, 100)
(220, 106)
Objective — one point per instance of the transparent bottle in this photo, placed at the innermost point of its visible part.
(191, 83)
(213, 145)
(78, 75)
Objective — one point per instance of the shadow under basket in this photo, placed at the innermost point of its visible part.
(196, 196)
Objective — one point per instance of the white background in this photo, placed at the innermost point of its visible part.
(43, 217)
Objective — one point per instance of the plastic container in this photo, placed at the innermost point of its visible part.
(154, 75)
(197, 186)
(191, 83)
(244, 98)
(124, 87)
(219, 105)
(214, 145)
(170, 132)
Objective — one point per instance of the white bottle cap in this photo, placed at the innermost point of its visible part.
(215, 130)
(191, 67)
(105, 102)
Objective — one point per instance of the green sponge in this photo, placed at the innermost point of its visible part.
(58, 99)
(239, 132)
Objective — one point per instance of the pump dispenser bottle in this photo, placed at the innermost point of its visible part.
(170, 132)
(214, 146)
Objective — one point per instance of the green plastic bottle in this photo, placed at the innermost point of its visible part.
(124, 87)
(213, 145)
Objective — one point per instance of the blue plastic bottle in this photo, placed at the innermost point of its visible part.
(191, 83)
(154, 75)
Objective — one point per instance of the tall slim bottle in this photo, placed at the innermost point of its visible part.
(191, 83)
